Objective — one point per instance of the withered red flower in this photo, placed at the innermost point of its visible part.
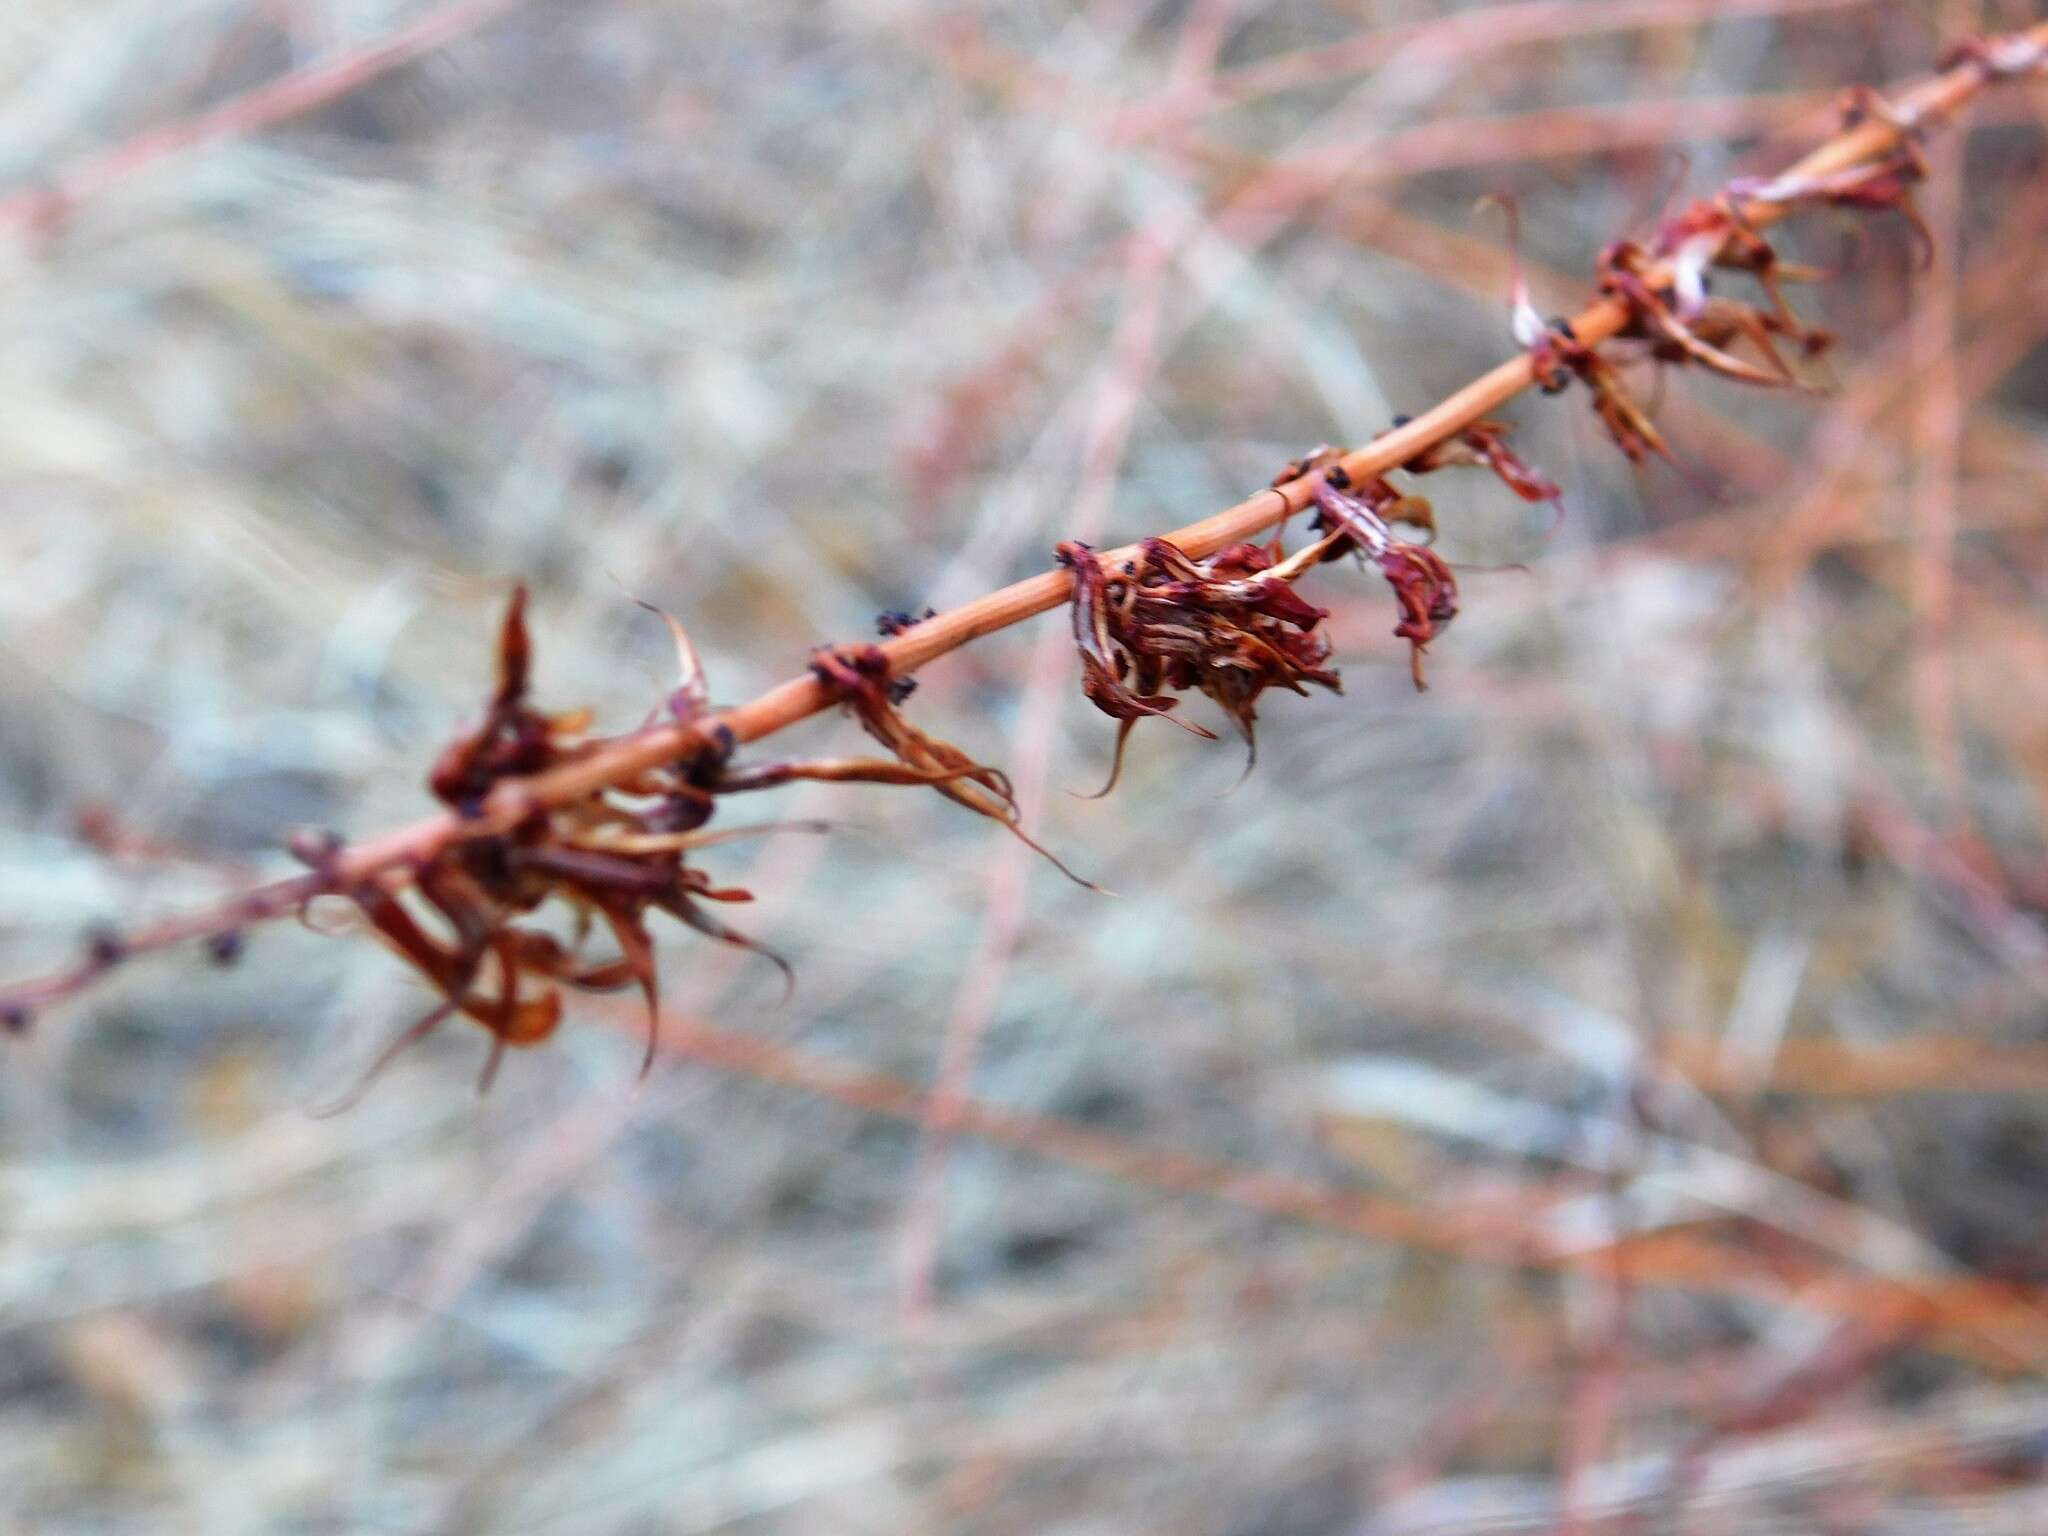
(1696, 328)
(614, 858)
(1423, 585)
(1230, 628)
(1378, 497)
(1428, 595)
(1557, 356)
(859, 677)
(1125, 686)
(1484, 444)
(512, 738)
(1713, 232)
(1664, 284)
(1884, 184)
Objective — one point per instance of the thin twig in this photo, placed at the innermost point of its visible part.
(389, 859)
(290, 95)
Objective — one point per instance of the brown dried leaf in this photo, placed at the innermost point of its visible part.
(859, 677)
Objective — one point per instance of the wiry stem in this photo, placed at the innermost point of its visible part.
(389, 860)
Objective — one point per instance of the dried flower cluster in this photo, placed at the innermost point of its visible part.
(1229, 627)
(1665, 284)
(541, 818)
(1233, 626)
(1363, 515)
(613, 858)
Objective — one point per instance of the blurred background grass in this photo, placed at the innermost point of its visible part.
(1700, 900)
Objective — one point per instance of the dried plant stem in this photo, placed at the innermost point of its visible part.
(1969, 1316)
(391, 858)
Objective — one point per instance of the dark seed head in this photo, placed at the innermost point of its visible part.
(224, 948)
(490, 859)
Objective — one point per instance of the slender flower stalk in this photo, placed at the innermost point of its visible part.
(561, 803)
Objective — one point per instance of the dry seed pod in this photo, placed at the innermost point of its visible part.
(1423, 585)
(613, 858)
(1229, 627)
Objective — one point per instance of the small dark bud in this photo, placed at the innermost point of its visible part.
(103, 946)
(901, 688)
(1402, 421)
(893, 621)
(489, 859)
(224, 949)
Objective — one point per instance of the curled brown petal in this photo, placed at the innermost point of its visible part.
(860, 678)
(1427, 593)
(1484, 444)
(691, 695)
(1229, 627)
(637, 949)
(688, 912)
